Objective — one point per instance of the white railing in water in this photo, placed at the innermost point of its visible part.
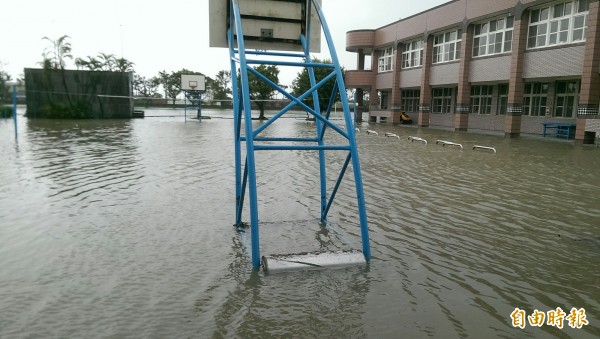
(484, 148)
(413, 139)
(445, 142)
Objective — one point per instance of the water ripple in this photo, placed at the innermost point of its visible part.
(124, 229)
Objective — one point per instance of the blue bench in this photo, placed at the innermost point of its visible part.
(559, 130)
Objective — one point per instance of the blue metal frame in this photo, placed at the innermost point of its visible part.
(246, 178)
(189, 95)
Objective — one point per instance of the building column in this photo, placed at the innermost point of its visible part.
(359, 105)
(463, 96)
(590, 77)
(516, 85)
(360, 59)
(425, 99)
(396, 93)
(373, 96)
(360, 62)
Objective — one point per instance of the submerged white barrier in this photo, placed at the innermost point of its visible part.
(445, 142)
(484, 148)
(413, 139)
(311, 261)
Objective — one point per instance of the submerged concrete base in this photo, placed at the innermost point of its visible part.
(306, 261)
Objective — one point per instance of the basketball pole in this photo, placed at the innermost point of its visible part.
(246, 179)
(14, 102)
(362, 209)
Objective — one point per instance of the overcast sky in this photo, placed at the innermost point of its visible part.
(160, 35)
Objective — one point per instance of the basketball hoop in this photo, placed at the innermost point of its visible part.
(193, 83)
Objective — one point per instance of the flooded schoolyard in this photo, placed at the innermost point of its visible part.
(123, 228)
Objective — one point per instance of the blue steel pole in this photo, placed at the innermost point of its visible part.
(254, 237)
(362, 210)
(14, 101)
(318, 123)
(236, 128)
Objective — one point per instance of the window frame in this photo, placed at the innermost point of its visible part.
(410, 99)
(384, 99)
(568, 110)
(550, 25)
(385, 59)
(446, 46)
(485, 31)
(481, 99)
(412, 54)
(444, 98)
(535, 98)
(502, 104)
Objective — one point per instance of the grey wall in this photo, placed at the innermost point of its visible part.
(78, 94)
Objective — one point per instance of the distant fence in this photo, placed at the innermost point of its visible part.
(56, 93)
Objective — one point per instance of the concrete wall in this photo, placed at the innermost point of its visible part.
(490, 69)
(384, 80)
(444, 74)
(554, 62)
(487, 122)
(78, 94)
(410, 78)
(441, 119)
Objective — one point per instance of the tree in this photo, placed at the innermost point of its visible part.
(163, 78)
(222, 85)
(302, 84)
(91, 63)
(123, 65)
(5, 112)
(105, 62)
(4, 88)
(145, 88)
(260, 91)
(172, 82)
(55, 55)
(4, 92)
(54, 58)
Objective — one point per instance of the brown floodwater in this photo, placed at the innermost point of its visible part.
(123, 228)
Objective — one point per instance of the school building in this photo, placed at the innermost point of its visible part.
(515, 66)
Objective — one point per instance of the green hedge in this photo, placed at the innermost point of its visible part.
(57, 110)
(6, 112)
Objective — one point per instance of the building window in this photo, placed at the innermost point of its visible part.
(557, 24)
(412, 54)
(502, 99)
(446, 46)
(409, 101)
(481, 99)
(534, 103)
(385, 57)
(567, 93)
(442, 100)
(384, 97)
(493, 37)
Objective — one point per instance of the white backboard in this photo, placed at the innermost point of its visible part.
(267, 24)
(192, 82)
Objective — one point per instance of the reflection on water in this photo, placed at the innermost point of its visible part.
(124, 228)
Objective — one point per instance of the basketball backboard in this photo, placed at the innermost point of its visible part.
(192, 82)
(267, 24)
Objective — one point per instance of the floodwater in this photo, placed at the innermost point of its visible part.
(123, 228)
